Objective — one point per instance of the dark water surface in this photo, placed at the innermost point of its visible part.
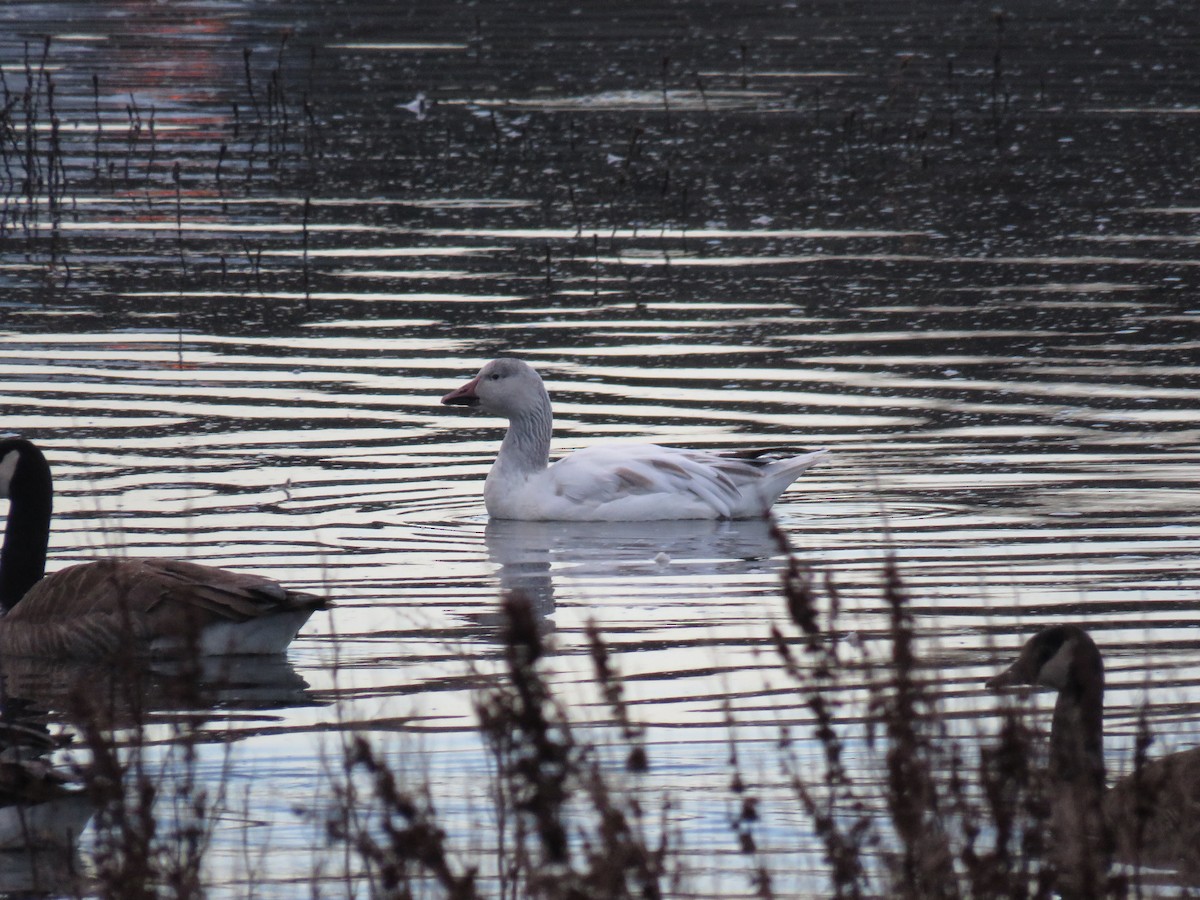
(246, 248)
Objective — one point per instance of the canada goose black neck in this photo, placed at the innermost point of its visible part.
(25, 481)
(1077, 729)
(1065, 658)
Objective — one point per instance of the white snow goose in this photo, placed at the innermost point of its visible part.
(614, 482)
(113, 607)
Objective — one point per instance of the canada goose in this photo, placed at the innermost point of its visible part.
(614, 482)
(115, 606)
(1150, 817)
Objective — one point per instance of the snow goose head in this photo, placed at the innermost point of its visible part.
(505, 387)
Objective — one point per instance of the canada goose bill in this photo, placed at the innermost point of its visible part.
(1150, 817)
(114, 607)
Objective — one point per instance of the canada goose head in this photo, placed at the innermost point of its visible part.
(24, 472)
(1060, 658)
(26, 483)
(505, 387)
(1064, 658)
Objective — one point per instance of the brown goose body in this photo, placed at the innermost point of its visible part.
(118, 606)
(1154, 813)
(1150, 817)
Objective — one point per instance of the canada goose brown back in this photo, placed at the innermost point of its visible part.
(1150, 817)
(116, 606)
(1155, 813)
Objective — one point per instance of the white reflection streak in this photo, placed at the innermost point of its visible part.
(531, 555)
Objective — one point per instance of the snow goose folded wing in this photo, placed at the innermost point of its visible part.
(614, 482)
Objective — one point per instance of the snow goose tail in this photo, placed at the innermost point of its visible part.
(614, 482)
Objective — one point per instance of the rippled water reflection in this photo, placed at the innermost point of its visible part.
(240, 272)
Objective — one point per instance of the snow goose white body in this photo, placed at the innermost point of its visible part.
(615, 482)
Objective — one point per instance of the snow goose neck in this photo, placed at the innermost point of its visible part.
(614, 482)
(112, 607)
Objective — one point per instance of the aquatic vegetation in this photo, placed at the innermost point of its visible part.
(935, 816)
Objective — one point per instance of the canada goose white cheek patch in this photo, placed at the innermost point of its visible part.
(1055, 672)
(8, 467)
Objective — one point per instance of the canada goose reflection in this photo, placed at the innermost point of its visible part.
(40, 806)
(116, 696)
(44, 871)
(1150, 817)
(43, 806)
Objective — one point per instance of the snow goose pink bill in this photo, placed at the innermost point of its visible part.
(613, 482)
